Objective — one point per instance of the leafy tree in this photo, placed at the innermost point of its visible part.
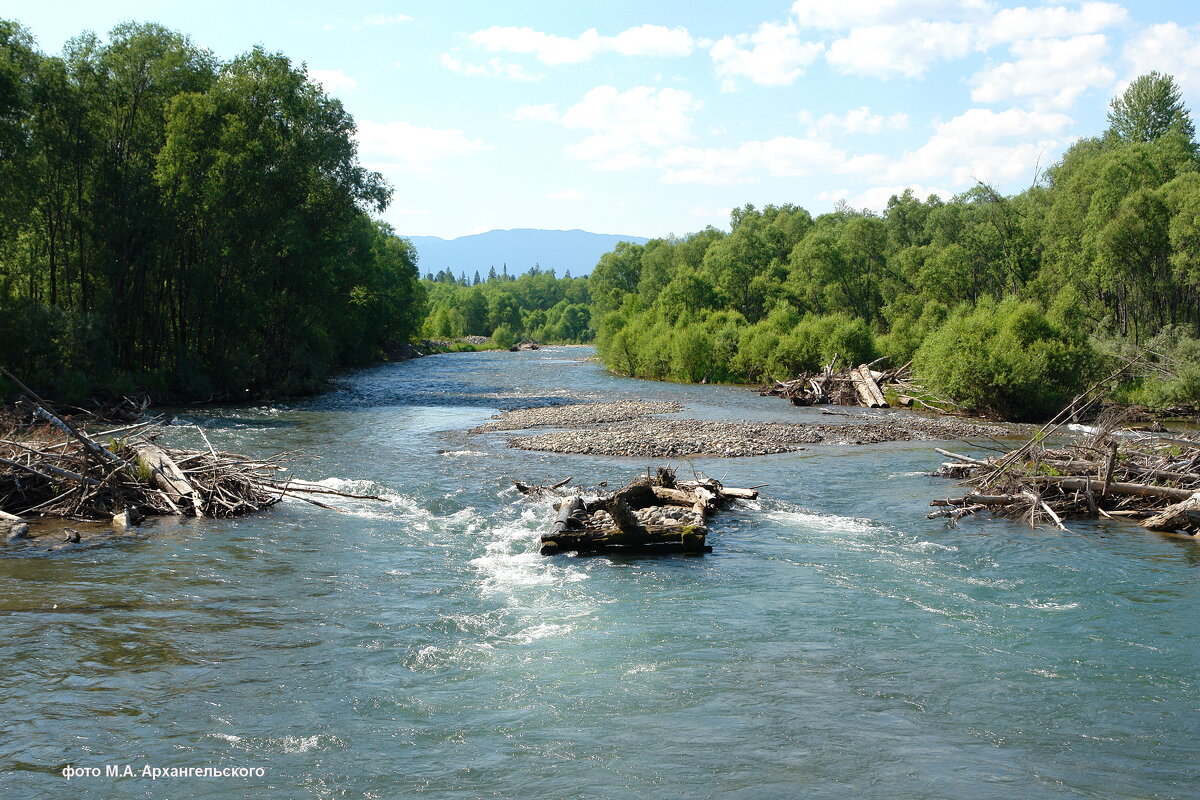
(1149, 108)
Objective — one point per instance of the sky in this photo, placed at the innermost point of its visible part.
(655, 118)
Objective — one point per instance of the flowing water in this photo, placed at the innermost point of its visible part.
(835, 644)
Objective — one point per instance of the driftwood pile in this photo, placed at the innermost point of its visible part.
(525, 344)
(1110, 473)
(51, 467)
(654, 513)
(852, 386)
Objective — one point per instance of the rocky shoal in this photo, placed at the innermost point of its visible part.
(659, 438)
(576, 414)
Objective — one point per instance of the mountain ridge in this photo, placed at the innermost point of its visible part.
(518, 249)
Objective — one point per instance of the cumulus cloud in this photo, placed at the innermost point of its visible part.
(1168, 48)
(624, 128)
(782, 156)
(907, 50)
(1048, 73)
(405, 147)
(856, 120)
(980, 144)
(492, 68)
(896, 38)
(546, 112)
(552, 49)
(333, 80)
(774, 55)
(1015, 24)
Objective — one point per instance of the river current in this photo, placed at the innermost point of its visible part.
(835, 643)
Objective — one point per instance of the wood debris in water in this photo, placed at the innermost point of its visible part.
(654, 513)
(1111, 473)
(853, 386)
(50, 467)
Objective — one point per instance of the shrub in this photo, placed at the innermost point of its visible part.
(1007, 358)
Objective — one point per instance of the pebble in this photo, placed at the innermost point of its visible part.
(576, 414)
(592, 433)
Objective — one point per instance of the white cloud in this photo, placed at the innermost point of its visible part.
(409, 148)
(1049, 73)
(567, 194)
(333, 80)
(492, 68)
(1015, 24)
(774, 55)
(547, 112)
(652, 40)
(387, 19)
(626, 126)
(782, 156)
(980, 144)
(847, 14)
(904, 38)
(1168, 48)
(885, 51)
(552, 49)
(856, 120)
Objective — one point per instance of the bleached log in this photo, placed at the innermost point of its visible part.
(168, 477)
(959, 457)
(1176, 516)
(1115, 487)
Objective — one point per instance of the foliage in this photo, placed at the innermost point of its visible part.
(1106, 246)
(172, 222)
(1148, 108)
(536, 305)
(1006, 358)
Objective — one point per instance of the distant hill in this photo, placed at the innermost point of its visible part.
(577, 251)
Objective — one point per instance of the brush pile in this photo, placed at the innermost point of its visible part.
(654, 513)
(1110, 472)
(51, 467)
(853, 386)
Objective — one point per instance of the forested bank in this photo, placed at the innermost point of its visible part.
(535, 305)
(196, 228)
(1005, 303)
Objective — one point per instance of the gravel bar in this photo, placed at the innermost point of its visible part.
(687, 437)
(567, 416)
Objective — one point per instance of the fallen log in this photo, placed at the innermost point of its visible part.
(1114, 487)
(1184, 514)
(651, 514)
(1086, 478)
(168, 476)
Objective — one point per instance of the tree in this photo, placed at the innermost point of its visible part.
(1148, 109)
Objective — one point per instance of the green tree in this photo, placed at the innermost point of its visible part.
(1149, 108)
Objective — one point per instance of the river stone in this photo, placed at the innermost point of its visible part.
(18, 530)
(577, 414)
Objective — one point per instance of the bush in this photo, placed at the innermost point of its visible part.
(503, 337)
(1008, 359)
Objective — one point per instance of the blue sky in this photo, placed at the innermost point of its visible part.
(652, 118)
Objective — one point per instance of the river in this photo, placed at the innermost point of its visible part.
(834, 644)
